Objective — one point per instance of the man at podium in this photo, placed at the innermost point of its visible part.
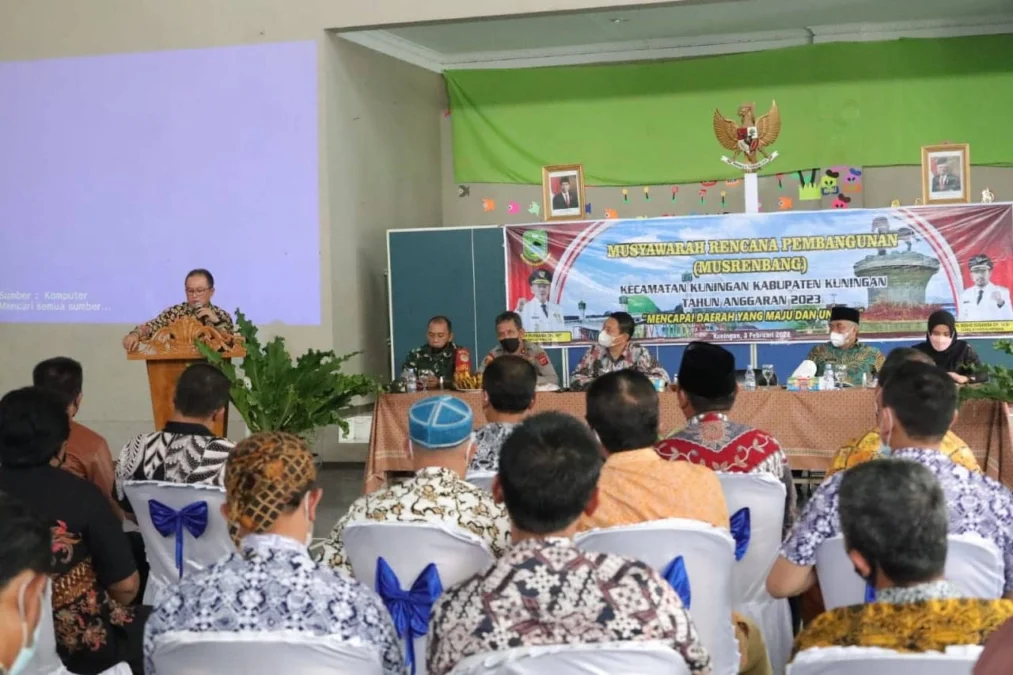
(200, 288)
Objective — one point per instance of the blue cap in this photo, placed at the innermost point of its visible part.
(439, 422)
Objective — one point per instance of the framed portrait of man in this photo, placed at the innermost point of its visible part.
(563, 192)
(946, 174)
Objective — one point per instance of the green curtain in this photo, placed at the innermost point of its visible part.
(858, 104)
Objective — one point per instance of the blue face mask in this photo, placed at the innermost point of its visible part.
(884, 449)
(24, 656)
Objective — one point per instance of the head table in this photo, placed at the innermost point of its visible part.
(810, 425)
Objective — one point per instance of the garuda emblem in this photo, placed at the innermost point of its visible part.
(749, 136)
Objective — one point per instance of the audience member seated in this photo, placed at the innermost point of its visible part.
(185, 450)
(615, 351)
(95, 578)
(919, 403)
(706, 392)
(997, 656)
(510, 333)
(636, 485)
(88, 453)
(871, 445)
(544, 590)
(894, 519)
(25, 566)
(271, 584)
(440, 443)
(956, 357)
(508, 395)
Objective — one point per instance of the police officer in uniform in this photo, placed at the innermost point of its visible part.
(538, 314)
(437, 355)
(510, 331)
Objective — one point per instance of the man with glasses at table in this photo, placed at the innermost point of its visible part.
(200, 288)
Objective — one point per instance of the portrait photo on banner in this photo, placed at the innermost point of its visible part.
(563, 192)
(946, 174)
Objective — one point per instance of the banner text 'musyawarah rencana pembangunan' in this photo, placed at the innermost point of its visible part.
(758, 245)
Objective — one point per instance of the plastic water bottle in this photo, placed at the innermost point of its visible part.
(750, 382)
(411, 383)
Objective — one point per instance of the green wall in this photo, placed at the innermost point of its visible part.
(858, 104)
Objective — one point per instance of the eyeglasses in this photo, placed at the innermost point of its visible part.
(197, 291)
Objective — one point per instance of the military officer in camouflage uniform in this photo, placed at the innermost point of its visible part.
(437, 356)
(510, 332)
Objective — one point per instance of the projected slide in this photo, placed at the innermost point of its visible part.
(118, 174)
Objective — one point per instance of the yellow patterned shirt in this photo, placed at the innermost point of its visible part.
(931, 625)
(866, 448)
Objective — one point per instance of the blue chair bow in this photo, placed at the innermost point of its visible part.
(675, 574)
(167, 520)
(741, 527)
(409, 609)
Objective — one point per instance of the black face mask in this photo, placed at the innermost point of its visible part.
(436, 350)
(510, 345)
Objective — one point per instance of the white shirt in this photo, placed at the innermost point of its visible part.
(536, 320)
(987, 309)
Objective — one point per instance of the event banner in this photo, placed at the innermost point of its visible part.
(765, 277)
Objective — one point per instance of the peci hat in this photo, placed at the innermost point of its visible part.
(540, 276)
(707, 370)
(842, 313)
(980, 260)
(439, 422)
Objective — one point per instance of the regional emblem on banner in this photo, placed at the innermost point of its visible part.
(749, 136)
(535, 247)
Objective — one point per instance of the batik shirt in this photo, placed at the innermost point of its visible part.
(488, 440)
(433, 495)
(222, 320)
(598, 361)
(271, 585)
(711, 439)
(180, 453)
(977, 504)
(858, 358)
(440, 363)
(925, 617)
(549, 592)
(869, 447)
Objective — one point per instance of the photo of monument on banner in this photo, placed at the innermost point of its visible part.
(767, 277)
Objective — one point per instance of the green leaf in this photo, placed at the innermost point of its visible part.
(273, 392)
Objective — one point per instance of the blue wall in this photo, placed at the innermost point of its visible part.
(462, 273)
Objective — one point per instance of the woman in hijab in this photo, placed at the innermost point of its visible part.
(954, 356)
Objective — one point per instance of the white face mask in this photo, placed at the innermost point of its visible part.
(309, 523)
(838, 339)
(27, 651)
(940, 342)
(605, 340)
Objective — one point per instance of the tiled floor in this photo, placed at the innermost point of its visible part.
(342, 484)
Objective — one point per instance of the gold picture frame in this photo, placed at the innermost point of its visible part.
(946, 173)
(554, 195)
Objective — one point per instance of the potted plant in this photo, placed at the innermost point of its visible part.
(274, 393)
(1000, 380)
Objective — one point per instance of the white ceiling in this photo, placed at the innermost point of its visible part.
(687, 28)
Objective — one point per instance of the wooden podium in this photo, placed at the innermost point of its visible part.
(170, 350)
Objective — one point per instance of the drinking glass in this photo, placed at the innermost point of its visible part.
(841, 374)
(768, 373)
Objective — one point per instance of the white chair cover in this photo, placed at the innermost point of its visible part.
(409, 548)
(973, 564)
(763, 495)
(709, 554)
(607, 658)
(198, 553)
(958, 660)
(481, 479)
(247, 653)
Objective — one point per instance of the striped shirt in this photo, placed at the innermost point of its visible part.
(179, 453)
